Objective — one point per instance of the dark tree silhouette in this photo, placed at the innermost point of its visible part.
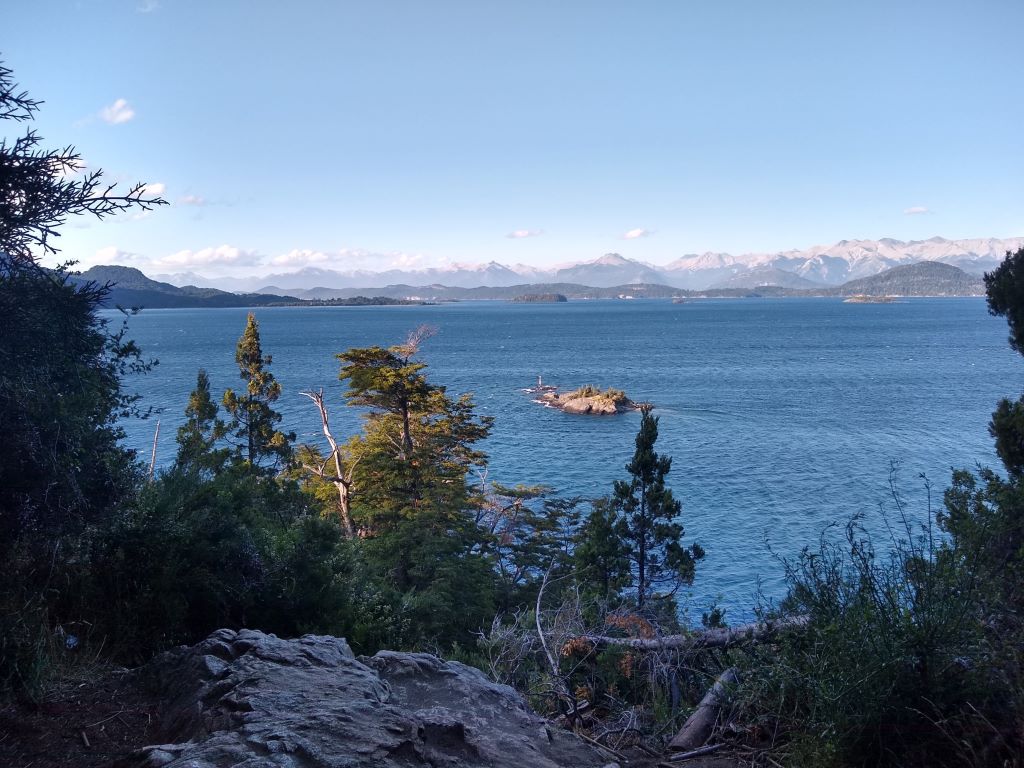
(648, 517)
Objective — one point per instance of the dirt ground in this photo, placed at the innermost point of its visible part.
(87, 721)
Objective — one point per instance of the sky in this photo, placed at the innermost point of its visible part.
(403, 133)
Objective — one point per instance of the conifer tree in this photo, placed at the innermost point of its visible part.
(198, 436)
(412, 503)
(253, 420)
(600, 556)
(647, 523)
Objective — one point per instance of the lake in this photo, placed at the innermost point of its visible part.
(782, 416)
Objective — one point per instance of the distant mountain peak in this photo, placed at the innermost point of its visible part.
(827, 265)
(613, 260)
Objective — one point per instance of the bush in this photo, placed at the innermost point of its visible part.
(894, 667)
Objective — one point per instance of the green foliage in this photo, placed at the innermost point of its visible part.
(253, 420)
(617, 396)
(410, 494)
(198, 552)
(894, 663)
(527, 535)
(202, 430)
(61, 366)
(647, 521)
(601, 557)
(38, 188)
(1004, 287)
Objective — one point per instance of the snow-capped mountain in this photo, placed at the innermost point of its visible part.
(818, 265)
(607, 271)
(845, 260)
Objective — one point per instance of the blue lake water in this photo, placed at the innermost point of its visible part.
(782, 416)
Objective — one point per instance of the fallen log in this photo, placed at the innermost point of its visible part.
(721, 637)
(700, 725)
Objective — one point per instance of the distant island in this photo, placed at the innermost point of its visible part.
(860, 298)
(588, 399)
(360, 301)
(540, 298)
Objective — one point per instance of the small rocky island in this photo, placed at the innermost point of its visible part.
(861, 298)
(588, 399)
(540, 298)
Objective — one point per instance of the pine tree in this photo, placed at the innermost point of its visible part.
(647, 523)
(253, 421)
(199, 435)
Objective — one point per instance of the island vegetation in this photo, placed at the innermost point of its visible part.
(885, 653)
(860, 298)
(588, 399)
(540, 298)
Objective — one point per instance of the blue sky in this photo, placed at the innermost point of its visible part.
(375, 134)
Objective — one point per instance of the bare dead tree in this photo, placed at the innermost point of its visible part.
(718, 637)
(343, 471)
(416, 337)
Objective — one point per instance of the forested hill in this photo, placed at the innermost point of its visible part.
(926, 278)
(131, 288)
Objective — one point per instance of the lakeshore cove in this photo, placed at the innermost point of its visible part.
(782, 416)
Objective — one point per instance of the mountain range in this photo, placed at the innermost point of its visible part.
(815, 267)
(129, 287)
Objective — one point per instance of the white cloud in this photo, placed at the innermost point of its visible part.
(633, 234)
(196, 200)
(299, 257)
(915, 210)
(148, 6)
(518, 234)
(221, 256)
(118, 112)
(157, 188)
(114, 255)
(405, 260)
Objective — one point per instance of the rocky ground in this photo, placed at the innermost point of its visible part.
(251, 699)
(247, 698)
(595, 405)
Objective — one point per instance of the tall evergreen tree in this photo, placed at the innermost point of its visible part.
(253, 420)
(199, 435)
(647, 521)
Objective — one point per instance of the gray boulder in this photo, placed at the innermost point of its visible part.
(252, 699)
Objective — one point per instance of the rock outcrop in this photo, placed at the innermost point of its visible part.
(251, 699)
(589, 400)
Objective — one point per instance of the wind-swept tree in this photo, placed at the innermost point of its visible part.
(253, 422)
(411, 501)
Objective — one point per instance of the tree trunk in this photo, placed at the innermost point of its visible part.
(342, 480)
(701, 724)
(725, 637)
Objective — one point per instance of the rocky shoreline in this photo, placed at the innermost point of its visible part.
(587, 400)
